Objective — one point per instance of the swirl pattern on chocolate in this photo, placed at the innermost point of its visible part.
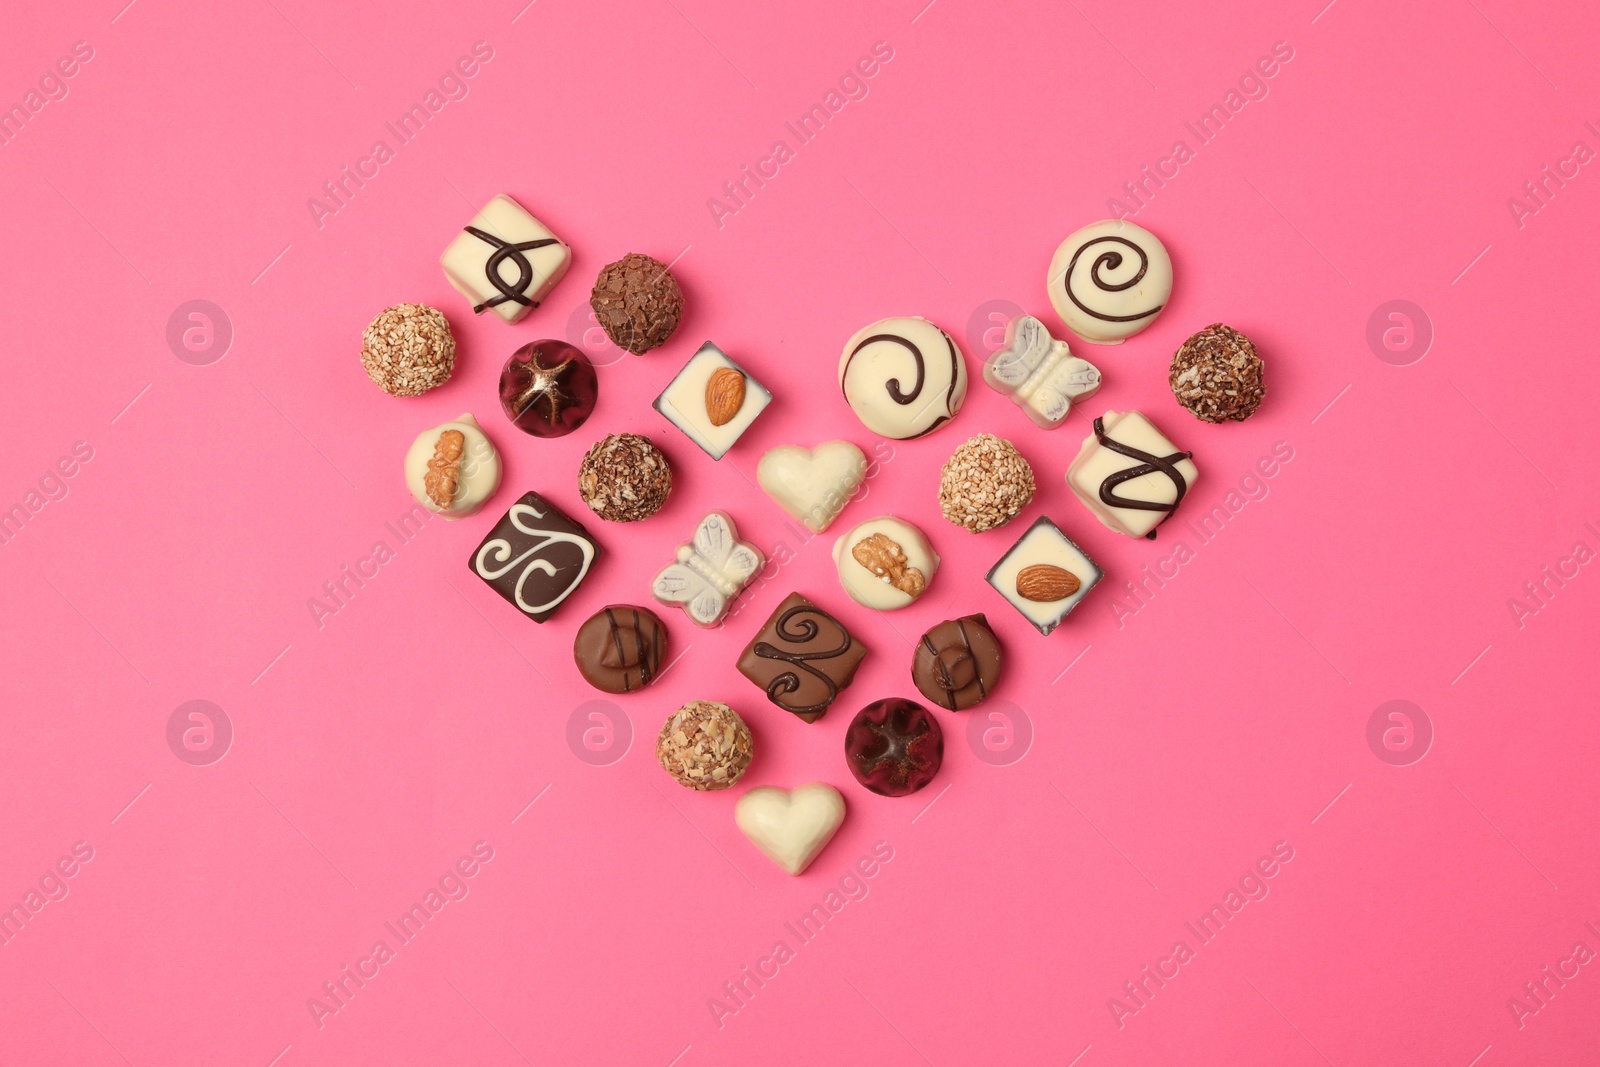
(1109, 260)
(517, 291)
(548, 553)
(800, 626)
(872, 375)
(801, 658)
(1148, 464)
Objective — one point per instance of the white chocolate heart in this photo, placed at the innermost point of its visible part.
(812, 484)
(790, 826)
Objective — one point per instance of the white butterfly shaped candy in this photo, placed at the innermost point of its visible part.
(1040, 373)
(710, 571)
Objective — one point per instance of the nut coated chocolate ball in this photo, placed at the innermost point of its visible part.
(548, 388)
(704, 745)
(894, 747)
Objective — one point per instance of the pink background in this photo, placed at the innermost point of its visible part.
(1172, 747)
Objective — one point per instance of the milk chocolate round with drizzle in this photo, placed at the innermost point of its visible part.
(619, 648)
(957, 663)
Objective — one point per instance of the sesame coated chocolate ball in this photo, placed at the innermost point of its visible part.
(1217, 375)
(637, 302)
(624, 478)
(408, 349)
(985, 483)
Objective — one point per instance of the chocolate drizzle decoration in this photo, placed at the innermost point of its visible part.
(802, 657)
(892, 385)
(642, 655)
(1147, 464)
(803, 632)
(517, 291)
(1108, 260)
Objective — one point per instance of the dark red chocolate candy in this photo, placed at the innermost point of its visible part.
(548, 388)
(894, 747)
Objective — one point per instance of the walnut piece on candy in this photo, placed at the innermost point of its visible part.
(408, 349)
(985, 483)
(624, 478)
(1217, 375)
(704, 745)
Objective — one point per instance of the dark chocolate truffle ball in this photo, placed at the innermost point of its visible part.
(1217, 375)
(624, 478)
(637, 302)
(548, 388)
(894, 747)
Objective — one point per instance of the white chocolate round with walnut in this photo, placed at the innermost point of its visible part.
(453, 469)
(885, 563)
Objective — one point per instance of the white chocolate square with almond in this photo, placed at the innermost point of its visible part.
(713, 400)
(505, 260)
(1045, 575)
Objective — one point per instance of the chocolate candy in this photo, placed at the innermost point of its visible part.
(548, 388)
(637, 302)
(790, 826)
(408, 349)
(619, 648)
(710, 571)
(1039, 373)
(1129, 475)
(624, 478)
(1044, 575)
(903, 377)
(1216, 375)
(957, 663)
(1109, 280)
(812, 484)
(885, 563)
(802, 657)
(985, 483)
(535, 557)
(704, 745)
(713, 400)
(505, 260)
(453, 469)
(894, 747)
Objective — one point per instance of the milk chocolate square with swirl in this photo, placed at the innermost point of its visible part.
(535, 557)
(802, 658)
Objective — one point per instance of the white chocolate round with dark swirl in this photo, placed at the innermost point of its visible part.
(1109, 280)
(903, 377)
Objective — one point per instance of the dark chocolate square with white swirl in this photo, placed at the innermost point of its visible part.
(535, 557)
(802, 658)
